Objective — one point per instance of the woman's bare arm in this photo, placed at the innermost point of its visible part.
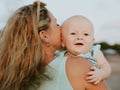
(76, 69)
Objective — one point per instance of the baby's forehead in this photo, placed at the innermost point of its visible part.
(77, 20)
(78, 24)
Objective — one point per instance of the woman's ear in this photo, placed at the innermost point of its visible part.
(44, 37)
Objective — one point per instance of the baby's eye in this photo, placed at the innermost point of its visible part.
(86, 34)
(72, 33)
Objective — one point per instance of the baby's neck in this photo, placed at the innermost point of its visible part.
(69, 54)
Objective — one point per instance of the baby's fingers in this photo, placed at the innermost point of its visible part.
(90, 73)
(92, 80)
(96, 82)
(93, 68)
(90, 77)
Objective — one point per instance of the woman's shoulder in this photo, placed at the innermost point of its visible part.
(76, 69)
(77, 63)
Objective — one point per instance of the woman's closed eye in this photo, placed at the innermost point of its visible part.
(58, 25)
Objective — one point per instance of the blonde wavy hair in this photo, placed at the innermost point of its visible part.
(21, 52)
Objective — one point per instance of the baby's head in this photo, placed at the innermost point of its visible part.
(77, 34)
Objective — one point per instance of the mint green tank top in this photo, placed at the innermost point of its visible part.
(57, 72)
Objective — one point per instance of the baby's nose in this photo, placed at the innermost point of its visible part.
(79, 37)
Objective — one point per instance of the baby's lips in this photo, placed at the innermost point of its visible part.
(79, 44)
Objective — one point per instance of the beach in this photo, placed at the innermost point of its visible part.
(114, 80)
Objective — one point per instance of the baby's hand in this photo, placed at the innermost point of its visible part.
(95, 75)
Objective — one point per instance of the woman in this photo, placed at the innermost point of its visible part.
(22, 53)
(28, 44)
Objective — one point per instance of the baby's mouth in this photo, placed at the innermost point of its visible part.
(79, 44)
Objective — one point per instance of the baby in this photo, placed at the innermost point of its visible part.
(78, 38)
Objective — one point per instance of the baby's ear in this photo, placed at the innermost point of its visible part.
(94, 39)
(63, 45)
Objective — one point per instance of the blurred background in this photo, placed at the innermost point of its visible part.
(104, 14)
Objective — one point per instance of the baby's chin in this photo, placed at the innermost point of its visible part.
(81, 53)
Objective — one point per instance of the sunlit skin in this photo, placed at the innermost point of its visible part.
(76, 67)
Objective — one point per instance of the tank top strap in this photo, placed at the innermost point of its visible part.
(63, 81)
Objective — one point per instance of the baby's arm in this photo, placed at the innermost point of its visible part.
(104, 65)
(96, 75)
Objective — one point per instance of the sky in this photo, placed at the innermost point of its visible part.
(104, 14)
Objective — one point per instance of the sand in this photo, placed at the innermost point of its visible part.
(114, 80)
